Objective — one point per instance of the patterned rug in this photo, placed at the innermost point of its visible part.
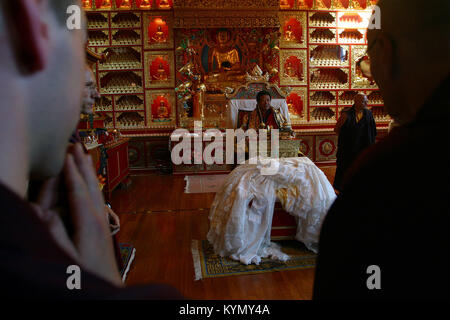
(127, 252)
(207, 264)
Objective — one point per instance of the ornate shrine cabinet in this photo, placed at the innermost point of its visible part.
(170, 62)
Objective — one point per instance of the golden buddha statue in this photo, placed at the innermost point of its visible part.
(87, 4)
(289, 34)
(164, 4)
(163, 111)
(161, 74)
(291, 71)
(159, 37)
(291, 107)
(224, 62)
(106, 4)
(145, 4)
(284, 4)
(125, 4)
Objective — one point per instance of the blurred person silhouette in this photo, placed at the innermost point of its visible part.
(386, 236)
(42, 77)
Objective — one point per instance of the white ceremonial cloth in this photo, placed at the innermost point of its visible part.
(250, 105)
(242, 211)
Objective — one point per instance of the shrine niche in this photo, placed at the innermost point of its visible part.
(97, 20)
(103, 104)
(121, 58)
(87, 4)
(98, 38)
(126, 37)
(160, 109)
(324, 115)
(164, 4)
(121, 82)
(297, 102)
(293, 30)
(158, 34)
(129, 103)
(329, 55)
(353, 19)
(347, 98)
(353, 36)
(329, 78)
(124, 4)
(130, 120)
(322, 35)
(322, 19)
(159, 71)
(322, 98)
(144, 4)
(293, 67)
(361, 74)
(103, 4)
(287, 4)
(375, 98)
(125, 20)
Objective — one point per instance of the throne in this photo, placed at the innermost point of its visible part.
(243, 99)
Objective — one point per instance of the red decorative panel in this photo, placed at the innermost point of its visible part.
(326, 147)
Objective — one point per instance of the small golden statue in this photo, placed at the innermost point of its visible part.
(125, 4)
(145, 4)
(87, 4)
(159, 37)
(291, 71)
(284, 4)
(161, 74)
(289, 34)
(291, 108)
(164, 4)
(106, 4)
(163, 111)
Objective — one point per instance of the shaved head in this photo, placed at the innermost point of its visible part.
(360, 101)
(409, 54)
(402, 17)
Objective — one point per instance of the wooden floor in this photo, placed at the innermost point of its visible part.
(160, 220)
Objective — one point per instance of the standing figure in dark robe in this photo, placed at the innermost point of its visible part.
(387, 234)
(357, 131)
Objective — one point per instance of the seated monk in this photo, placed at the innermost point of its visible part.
(264, 115)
